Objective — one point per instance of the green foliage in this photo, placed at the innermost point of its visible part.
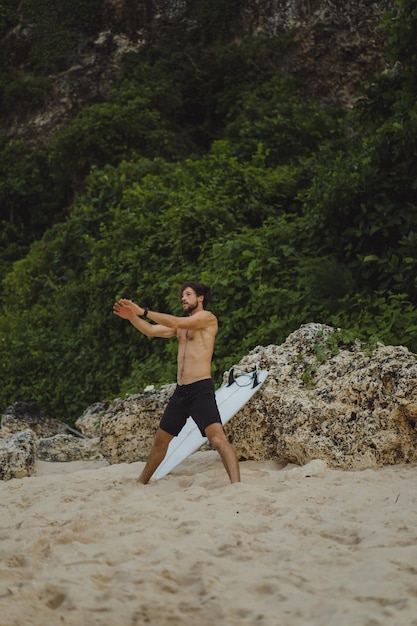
(385, 317)
(216, 19)
(31, 199)
(127, 126)
(401, 28)
(8, 15)
(138, 230)
(363, 203)
(23, 93)
(204, 87)
(288, 128)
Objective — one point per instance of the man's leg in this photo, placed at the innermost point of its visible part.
(156, 455)
(216, 435)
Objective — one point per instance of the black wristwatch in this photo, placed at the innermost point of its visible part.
(145, 312)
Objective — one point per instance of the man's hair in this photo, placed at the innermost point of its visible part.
(199, 288)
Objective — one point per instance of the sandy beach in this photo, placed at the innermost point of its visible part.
(84, 544)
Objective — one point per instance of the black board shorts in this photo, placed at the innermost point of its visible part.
(197, 400)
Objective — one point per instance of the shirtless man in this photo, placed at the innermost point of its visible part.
(194, 394)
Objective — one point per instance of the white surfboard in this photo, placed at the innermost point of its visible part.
(230, 398)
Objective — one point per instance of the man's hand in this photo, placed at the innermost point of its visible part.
(126, 309)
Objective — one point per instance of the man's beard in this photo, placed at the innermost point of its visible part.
(190, 308)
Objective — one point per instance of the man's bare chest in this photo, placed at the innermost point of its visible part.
(191, 338)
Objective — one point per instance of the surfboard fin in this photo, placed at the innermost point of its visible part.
(231, 377)
(255, 377)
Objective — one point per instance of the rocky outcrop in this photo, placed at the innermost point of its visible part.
(28, 415)
(18, 455)
(64, 448)
(129, 425)
(89, 424)
(27, 435)
(336, 45)
(351, 406)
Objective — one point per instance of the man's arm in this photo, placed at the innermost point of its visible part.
(164, 321)
(128, 310)
(197, 321)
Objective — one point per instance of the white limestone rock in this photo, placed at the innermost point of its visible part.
(89, 424)
(18, 455)
(64, 448)
(354, 409)
(22, 415)
(129, 425)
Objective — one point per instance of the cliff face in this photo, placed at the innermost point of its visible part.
(336, 45)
